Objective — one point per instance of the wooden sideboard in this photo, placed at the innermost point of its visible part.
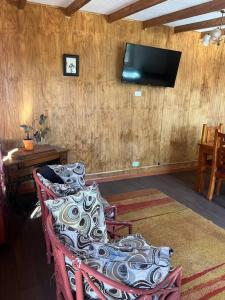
(19, 169)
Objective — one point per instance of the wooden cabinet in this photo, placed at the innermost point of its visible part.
(19, 169)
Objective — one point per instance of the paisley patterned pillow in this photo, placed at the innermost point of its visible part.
(82, 212)
(109, 213)
(80, 224)
(58, 189)
(94, 188)
(131, 261)
(72, 174)
(62, 190)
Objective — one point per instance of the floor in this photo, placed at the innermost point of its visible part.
(24, 274)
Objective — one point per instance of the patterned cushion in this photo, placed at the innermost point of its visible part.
(80, 224)
(72, 174)
(82, 213)
(94, 188)
(131, 261)
(58, 189)
(49, 174)
(62, 190)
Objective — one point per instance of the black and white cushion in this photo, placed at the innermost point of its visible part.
(58, 189)
(72, 174)
(80, 224)
(49, 174)
(109, 213)
(81, 213)
(132, 262)
(94, 189)
(65, 189)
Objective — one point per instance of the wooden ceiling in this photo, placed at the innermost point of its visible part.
(187, 13)
(189, 18)
(132, 9)
(199, 25)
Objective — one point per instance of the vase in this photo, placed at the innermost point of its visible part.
(28, 145)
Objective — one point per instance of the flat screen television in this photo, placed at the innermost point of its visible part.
(150, 66)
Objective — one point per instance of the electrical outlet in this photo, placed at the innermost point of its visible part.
(137, 93)
(136, 164)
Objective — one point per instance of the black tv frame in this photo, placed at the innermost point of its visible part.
(150, 84)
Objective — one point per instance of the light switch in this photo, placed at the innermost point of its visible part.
(137, 94)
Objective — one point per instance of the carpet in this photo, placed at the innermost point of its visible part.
(199, 245)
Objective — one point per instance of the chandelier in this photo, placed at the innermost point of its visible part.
(215, 36)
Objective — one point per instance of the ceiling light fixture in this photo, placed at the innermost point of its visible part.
(215, 36)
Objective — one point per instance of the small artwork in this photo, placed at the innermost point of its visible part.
(70, 65)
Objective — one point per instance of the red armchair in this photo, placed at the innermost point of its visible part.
(169, 289)
(43, 193)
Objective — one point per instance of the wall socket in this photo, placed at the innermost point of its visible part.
(136, 164)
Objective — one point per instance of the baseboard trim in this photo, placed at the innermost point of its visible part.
(142, 172)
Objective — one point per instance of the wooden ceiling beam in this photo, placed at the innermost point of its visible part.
(193, 11)
(132, 9)
(22, 3)
(74, 7)
(199, 25)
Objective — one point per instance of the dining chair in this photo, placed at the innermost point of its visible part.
(208, 133)
(87, 277)
(218, 164)
(205, 160)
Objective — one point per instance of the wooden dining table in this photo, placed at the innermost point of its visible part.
(205, 161)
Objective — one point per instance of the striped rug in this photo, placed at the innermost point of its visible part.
(199, 245)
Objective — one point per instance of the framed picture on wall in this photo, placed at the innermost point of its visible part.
(70, 65)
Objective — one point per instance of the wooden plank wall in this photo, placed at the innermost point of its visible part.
(96, 116)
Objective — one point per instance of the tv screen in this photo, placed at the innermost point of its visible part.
(150, 66)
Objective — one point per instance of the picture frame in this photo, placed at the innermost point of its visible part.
(71, 65)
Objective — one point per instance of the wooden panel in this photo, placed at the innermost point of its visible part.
(94, 115)
(199, 25)
(141, 172)
(132, 9)
(186, 13)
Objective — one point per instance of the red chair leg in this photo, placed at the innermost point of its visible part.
(48, 247)
(79, 285)
(166, 290)
(59, 295)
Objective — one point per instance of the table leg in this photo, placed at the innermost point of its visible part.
(212, 184)
(12, 189)
(200, 171)
(219, 184)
